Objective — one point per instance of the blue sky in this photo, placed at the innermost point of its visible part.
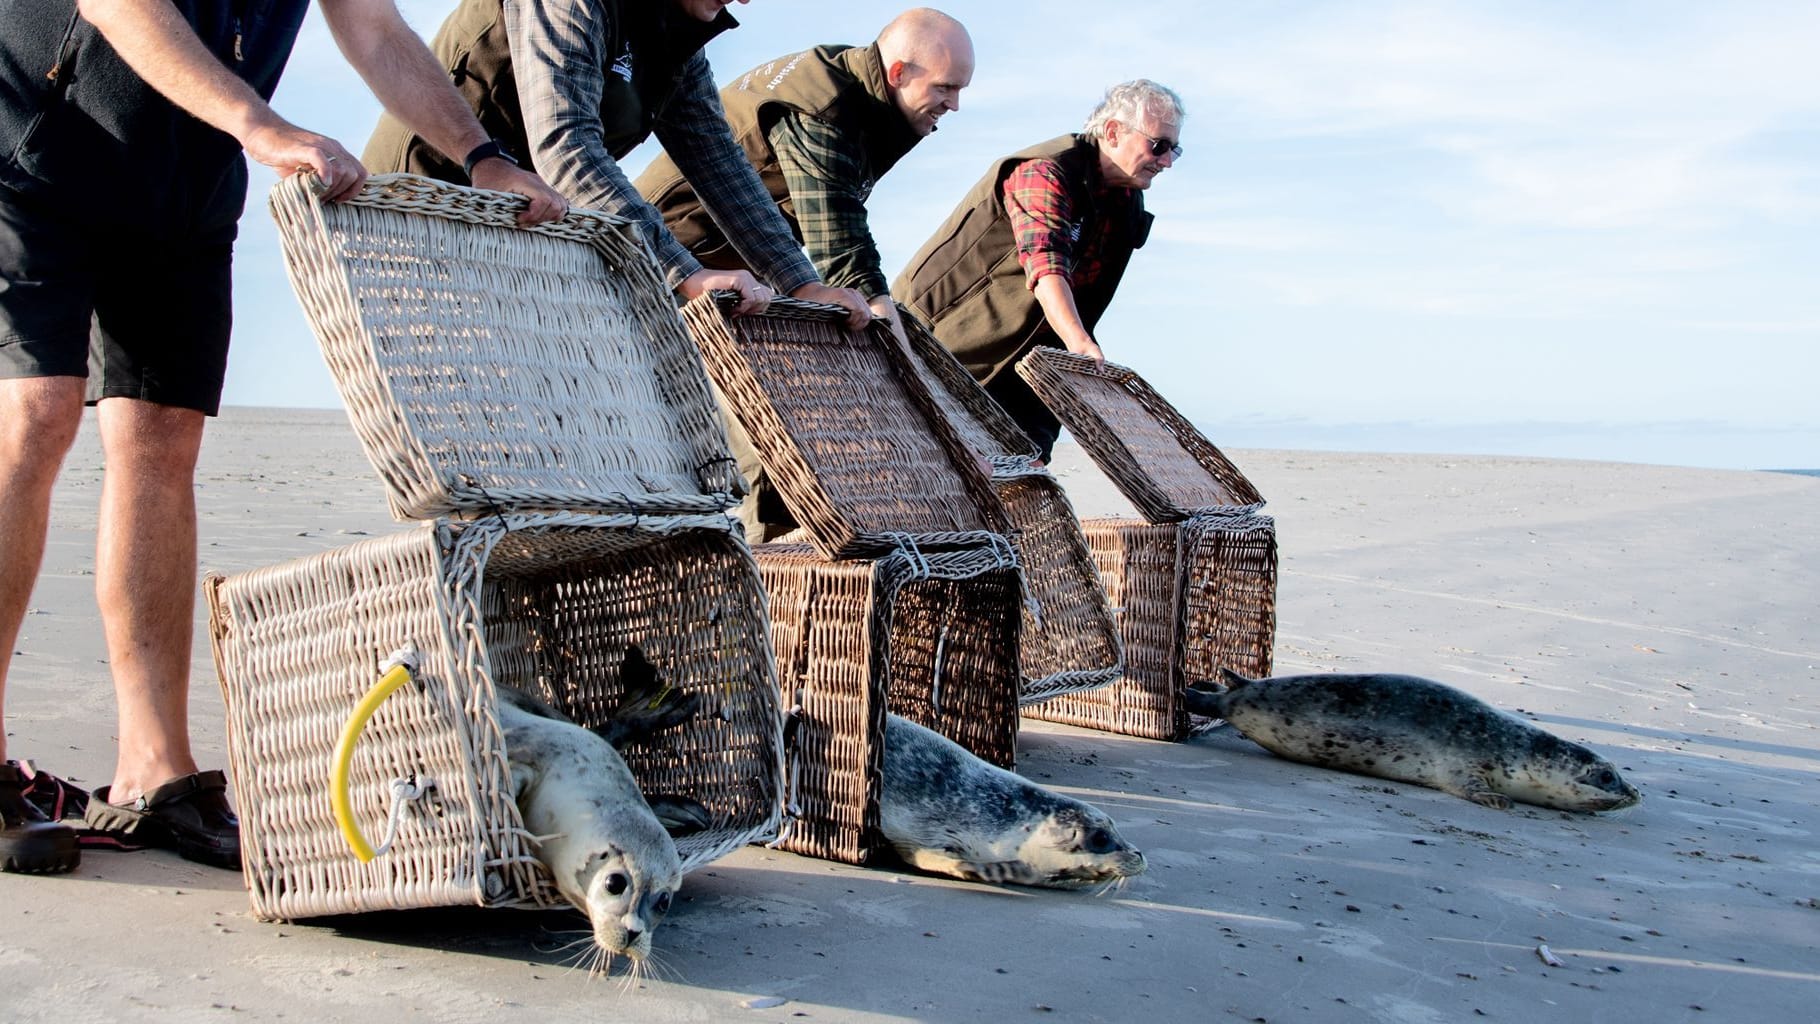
(1571, 229)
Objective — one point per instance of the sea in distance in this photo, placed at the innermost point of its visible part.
(1789, 449)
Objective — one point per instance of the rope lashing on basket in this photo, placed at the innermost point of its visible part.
(935, 673)
(1008, 557)
(793, 808)
(907, 550)
(399, 668)
(493, 506)
(405, 792)
(1228, 517)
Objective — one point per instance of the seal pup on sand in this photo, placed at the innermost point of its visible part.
(1415, 730)
(607, 851)
(950, 813)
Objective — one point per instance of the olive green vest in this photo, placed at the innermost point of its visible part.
(841, 85)
(653, 42)
(966, 281)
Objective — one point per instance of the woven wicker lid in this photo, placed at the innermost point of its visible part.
(979, 419)
(1148, 449)
(849, 434)
(488, 366)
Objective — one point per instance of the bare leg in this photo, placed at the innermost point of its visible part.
(38, 421)
(145, 581)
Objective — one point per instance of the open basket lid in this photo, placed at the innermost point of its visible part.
(486, 365)
(1152, 453)
(853, 440)
(986, 427)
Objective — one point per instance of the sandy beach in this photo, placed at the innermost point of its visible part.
(1665, 616)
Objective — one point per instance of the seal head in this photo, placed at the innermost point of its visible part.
(947, 812)
(1415, 730)
(606, 850)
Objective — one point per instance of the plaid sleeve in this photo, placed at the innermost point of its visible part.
(694, 133)
(1040, 212)
(558, 56)
(826, 174)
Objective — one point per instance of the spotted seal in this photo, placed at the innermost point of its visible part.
(947, 812)
(1415, 730)
(605, 847)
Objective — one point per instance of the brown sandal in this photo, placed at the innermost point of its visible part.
(189, 815)
(30, 842)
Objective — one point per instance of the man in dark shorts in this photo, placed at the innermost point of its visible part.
(121, 181)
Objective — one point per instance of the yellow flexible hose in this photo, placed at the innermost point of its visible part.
(339, 783)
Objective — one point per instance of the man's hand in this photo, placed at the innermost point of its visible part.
(288, 149)
(858, 313)
(1088, 348)
(884, 309)
(753, 297)
(547, 204)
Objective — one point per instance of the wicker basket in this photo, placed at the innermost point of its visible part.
(854, 442)
(1191, 597)
(976, 416)
(1153, 454)
(928, 636)
(488, 366)
(546, 603)
(1068, 640)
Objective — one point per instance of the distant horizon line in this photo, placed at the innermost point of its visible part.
(1698, 444)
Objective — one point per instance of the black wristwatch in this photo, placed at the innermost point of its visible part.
(486, 151)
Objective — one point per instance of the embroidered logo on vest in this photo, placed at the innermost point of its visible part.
(781, 75)
(622, 65)
(865, 190)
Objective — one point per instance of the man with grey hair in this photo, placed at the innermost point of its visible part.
(1071, 210)
(821, 126)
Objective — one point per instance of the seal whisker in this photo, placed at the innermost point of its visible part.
(657, 966)
(585, 938)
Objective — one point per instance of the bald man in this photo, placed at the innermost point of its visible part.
(821, 126)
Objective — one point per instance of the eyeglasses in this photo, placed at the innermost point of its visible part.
(1160, 146)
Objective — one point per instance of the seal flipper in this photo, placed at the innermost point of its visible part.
(1232, 680)
(1209, 699)
(679, 815)
(1471, 787)
(649, 706)
(1204, 702)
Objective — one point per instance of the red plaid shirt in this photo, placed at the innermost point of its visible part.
(1043, 221)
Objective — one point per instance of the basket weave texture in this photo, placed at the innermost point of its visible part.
(852, 439)
(1068, 640)
(1191, 597)
(976, 415)
(927, 636)
(1152, 453)
(485, 365)
(545, 603)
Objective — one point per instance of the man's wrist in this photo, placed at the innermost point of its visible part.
(488, 150)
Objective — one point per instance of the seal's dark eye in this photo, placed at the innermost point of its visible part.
(1098, 840)
(616, 884)
(663, 903)
(1605, 778)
